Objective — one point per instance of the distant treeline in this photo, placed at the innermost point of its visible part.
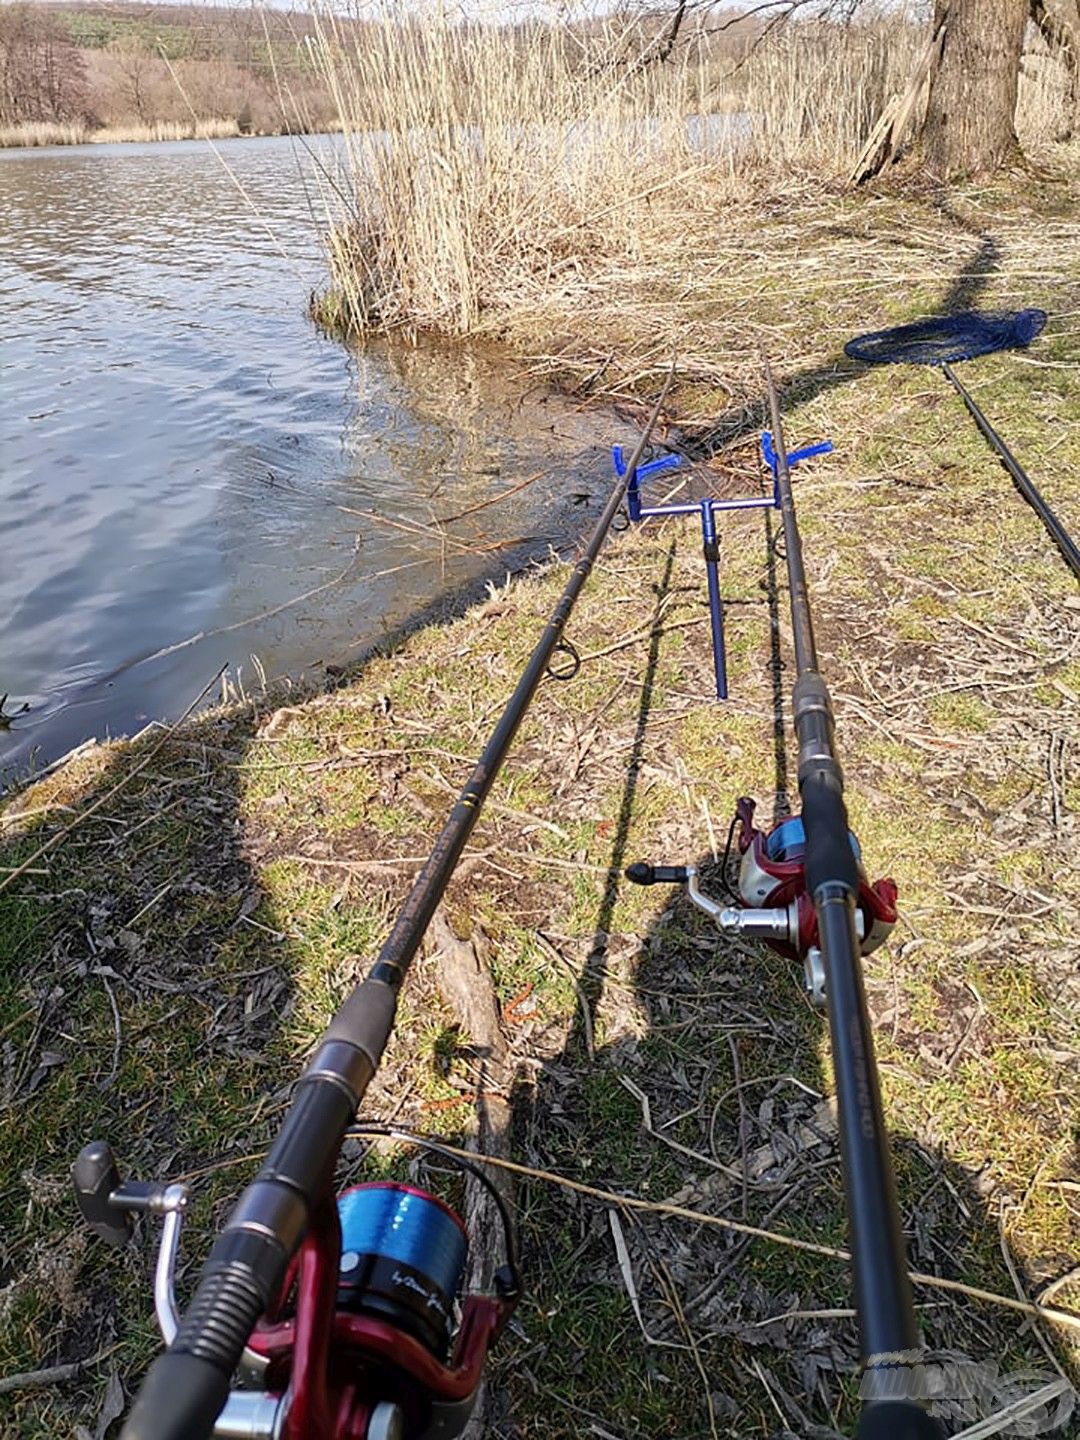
(129, 66)
(114, 68)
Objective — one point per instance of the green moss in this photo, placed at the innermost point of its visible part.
(959, 711)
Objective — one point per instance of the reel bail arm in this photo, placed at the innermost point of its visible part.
(788, 928)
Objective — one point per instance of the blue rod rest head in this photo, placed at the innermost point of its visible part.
(633, 489)
(768, 451)
(663, 462)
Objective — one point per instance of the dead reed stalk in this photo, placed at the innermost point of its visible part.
(492, 168)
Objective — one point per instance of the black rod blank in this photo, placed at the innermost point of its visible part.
(185, 1388)
(1060, 536)
(415, 915)
(888, 1332)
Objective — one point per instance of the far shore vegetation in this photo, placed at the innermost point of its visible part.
(810, 91)
(106, 71)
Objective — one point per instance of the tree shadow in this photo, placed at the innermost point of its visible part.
(750, 417)
(148, 989)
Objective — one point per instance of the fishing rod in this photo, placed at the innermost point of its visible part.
(1070, 551)
(943, 341)
(342, 1308)
(802, 888)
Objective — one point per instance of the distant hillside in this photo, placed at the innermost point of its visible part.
(143, 67)
(116, 69)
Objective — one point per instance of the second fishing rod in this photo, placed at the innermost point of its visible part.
(803, 890)
(889, 1336)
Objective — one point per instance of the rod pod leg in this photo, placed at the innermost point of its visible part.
(711, 548)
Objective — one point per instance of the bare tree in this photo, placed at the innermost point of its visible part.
(133, 65)
(42, 76)
(967, 83)
(962, 98)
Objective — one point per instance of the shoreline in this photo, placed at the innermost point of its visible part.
(70, 137)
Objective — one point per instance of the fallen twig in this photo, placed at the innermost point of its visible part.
(502, 495)
(39, 1379)
(1049, 1313)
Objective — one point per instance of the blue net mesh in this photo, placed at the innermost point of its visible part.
(945, 338)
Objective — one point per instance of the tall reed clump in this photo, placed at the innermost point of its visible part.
(816, 88)
(1048, 99)
(43, 132)
(493, 168)
(487, 164)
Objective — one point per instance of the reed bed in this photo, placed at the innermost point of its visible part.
(48, 132)
(486, 165)
(43, 132)
(491, 167)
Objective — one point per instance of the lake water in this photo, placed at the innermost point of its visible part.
(177, 441)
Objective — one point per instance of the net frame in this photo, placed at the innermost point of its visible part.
(945, 339)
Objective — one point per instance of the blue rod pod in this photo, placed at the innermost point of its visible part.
(403, 1255)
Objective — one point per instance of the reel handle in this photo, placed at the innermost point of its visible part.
(107, 1203)
(96, 1177)
(642, 873)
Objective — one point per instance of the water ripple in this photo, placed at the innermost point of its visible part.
(178, 440)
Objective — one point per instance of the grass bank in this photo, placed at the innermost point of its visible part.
(164, 968)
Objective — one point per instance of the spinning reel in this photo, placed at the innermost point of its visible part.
(370, 1337)
(771, 901)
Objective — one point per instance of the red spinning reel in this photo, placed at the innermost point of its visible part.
(772, 902)
(370, 1338)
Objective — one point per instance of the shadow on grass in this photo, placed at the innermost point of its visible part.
(695, 1073)
(749, 419)
(163, 971)
(143, 985)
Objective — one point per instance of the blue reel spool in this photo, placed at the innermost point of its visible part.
(403, 1256)
(788, 841)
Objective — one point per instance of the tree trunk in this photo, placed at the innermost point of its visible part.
(970, 125)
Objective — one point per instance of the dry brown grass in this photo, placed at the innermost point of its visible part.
(488, 168)
(47, 132)
(491, 170)
(44, 132)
